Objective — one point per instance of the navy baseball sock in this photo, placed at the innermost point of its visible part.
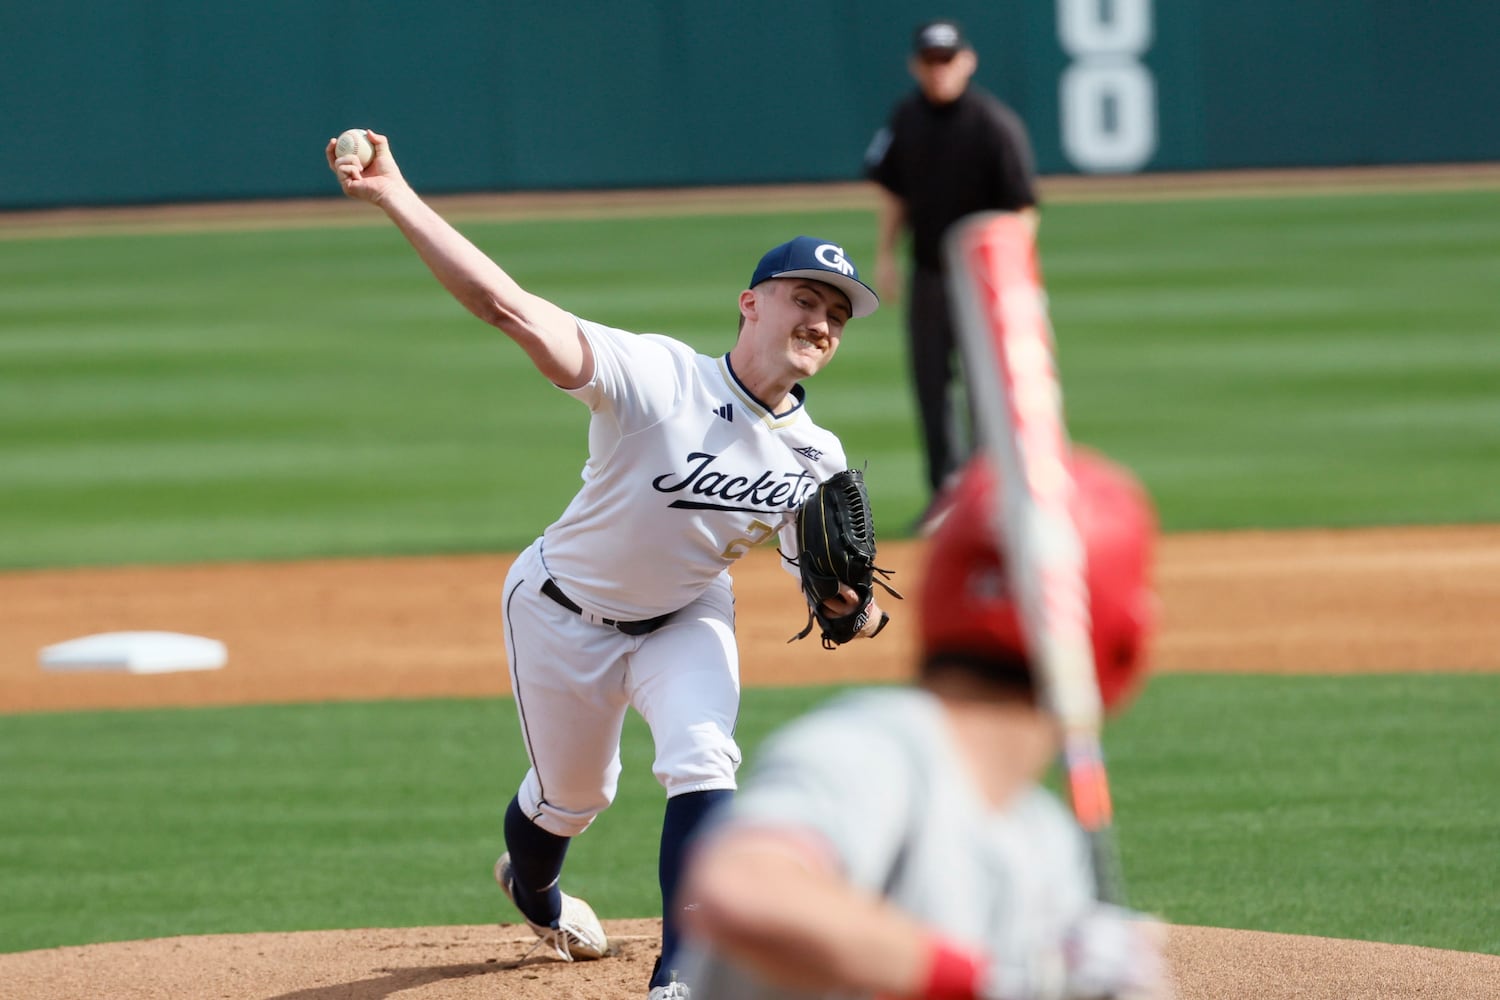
(536, 861)
(684, 813)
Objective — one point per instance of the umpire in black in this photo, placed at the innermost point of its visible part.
(949, 149)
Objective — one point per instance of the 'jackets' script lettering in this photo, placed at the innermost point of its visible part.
(769, 489)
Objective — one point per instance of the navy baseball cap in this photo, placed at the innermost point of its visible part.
(809, 257)
(938, 36)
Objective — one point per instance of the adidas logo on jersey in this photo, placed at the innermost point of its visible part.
(726, 411)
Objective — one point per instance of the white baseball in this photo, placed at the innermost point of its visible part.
(357, 142)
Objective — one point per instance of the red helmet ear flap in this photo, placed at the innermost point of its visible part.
(1118, 525)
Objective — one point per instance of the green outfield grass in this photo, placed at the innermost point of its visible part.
(1316, 360)
(1357, 807)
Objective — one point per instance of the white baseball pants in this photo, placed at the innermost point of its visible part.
(573, 680)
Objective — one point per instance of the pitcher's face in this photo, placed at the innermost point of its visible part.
(801, 318)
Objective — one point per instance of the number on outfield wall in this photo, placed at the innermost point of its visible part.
(1108, 99)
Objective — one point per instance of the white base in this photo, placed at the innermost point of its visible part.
(136, 653)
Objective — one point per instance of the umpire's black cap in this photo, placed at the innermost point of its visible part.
(938, 36)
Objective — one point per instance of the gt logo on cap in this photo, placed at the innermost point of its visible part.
(810, 257)
(833, 258)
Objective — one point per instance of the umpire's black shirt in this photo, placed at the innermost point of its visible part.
(946, 161)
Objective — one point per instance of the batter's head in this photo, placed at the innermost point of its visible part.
(968, 615)
(807, 257)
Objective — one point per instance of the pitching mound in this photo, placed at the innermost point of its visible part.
(469, 963)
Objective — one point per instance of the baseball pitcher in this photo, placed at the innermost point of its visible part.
(625, 600)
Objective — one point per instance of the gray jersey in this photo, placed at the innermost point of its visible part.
(875, 778)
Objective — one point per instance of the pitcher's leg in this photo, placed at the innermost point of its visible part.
(567, 678)
(685, 684)
(536, 866)
(684, 814)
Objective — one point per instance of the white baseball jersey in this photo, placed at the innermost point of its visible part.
(686, 472)
(876, 779)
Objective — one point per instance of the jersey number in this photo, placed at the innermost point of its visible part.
(759, 532)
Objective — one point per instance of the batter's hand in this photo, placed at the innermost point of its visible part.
(1116, 953)
(370, 183)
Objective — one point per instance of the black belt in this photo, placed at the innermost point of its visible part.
(643, 627)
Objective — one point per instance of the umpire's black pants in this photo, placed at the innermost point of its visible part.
(933, 357)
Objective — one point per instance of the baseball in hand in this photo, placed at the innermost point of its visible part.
(357, 142)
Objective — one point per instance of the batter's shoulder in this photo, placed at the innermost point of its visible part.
(883, 730)
(897, 718)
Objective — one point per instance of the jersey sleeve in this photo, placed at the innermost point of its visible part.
(1014, 160)
(845, 784)
(882, 160)
(639, 378)
(879, 164)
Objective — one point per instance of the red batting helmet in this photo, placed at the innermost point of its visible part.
(968, 612)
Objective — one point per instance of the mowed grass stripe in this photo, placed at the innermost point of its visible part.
(1288, 362)
(1342, 806)
(1261, 362)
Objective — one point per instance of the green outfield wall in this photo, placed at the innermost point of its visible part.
(166, 100)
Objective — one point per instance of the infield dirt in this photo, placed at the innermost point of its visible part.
(1391, 600)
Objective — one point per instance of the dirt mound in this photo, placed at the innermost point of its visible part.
(470, 963)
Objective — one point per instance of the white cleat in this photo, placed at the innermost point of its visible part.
(672, 991)
(577, 933)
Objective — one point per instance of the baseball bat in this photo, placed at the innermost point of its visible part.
(1000, 316)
